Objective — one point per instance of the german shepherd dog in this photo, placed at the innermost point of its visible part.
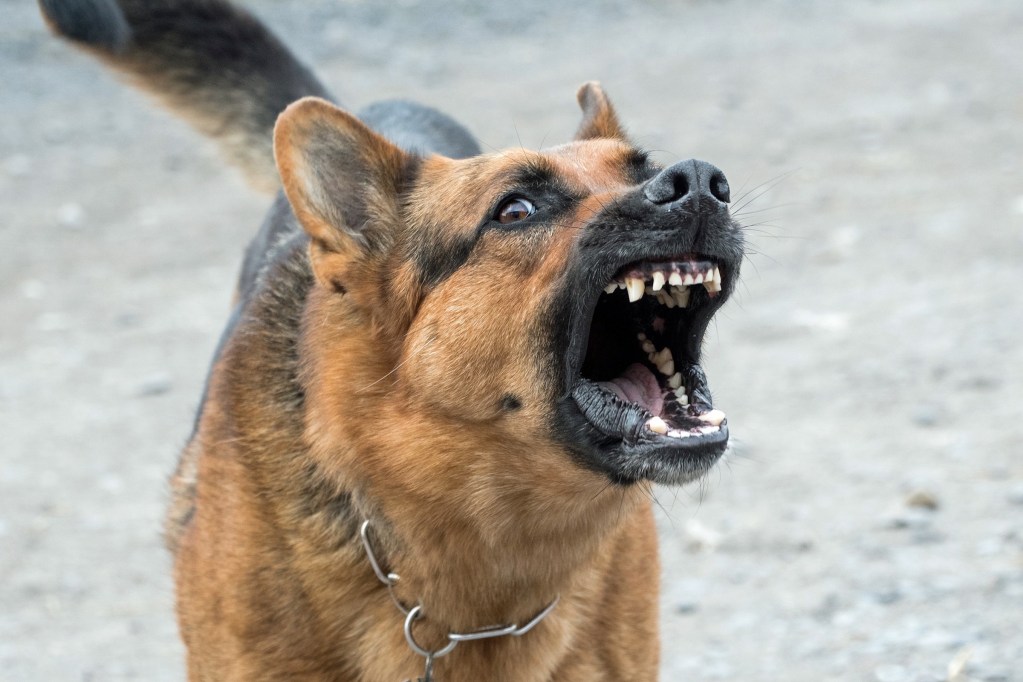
(429, 434)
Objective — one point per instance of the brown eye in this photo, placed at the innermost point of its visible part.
(515, 209)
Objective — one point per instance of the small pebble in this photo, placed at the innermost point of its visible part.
(926, 415)
(888, 596)
(921, 499)
(701, 537)
(158, 384)
(912, 518)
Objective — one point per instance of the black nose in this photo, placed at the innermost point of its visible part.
(689, 181)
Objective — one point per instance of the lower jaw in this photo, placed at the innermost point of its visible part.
(640, 404)
(627, 450)
(668, 465)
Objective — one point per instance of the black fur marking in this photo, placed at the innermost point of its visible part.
(437, 260)
(212, 61)
(419, 129)
(279, 226)
(510, 403)
(271, 321)
(225, 336)
(275, 295)
(323, 503)
(96, 23)
(640, 168)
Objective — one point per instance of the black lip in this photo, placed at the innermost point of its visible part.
(639, 454)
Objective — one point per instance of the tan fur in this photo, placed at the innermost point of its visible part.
(483, 516)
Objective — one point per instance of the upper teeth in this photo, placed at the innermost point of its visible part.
(658, 280)
(635, 287)
(669, 286)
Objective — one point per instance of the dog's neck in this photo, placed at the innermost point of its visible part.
(414, 613)
(465, 581)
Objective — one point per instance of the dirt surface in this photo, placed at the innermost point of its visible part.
(868, 524)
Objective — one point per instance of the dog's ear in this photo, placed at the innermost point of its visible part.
(344, 183)
(599, 117)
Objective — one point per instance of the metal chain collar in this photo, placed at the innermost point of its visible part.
(389, 579)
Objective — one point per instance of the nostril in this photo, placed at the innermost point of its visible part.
(670, 185)
(680, 186)
(719, 187)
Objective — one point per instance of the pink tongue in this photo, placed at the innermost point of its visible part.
(637, 385)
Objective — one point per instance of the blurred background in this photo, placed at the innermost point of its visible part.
(867, 525)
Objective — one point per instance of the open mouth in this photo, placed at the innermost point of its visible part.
(640, 381)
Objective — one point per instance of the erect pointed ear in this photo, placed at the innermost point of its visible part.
(599, 117)
(343, 182)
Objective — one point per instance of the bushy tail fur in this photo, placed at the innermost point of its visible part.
(211, 62)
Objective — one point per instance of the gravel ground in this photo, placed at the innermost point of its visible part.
(868, 525)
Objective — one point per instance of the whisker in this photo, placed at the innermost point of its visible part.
(739, 204)
(396, 368)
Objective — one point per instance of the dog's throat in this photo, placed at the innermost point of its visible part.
(389, 579)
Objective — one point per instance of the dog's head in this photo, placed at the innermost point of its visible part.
(542, 308)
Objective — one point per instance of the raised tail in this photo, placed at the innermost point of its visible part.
(213, 63)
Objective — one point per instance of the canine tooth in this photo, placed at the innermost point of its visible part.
(648, 348)
(667, 368)
(657, 425)
(610, 288)
(636, 288)
(713, 285)
(688, 279)
(675, 380)
(714, 417)
(658, 281)
(675, 279)
(681, 297)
